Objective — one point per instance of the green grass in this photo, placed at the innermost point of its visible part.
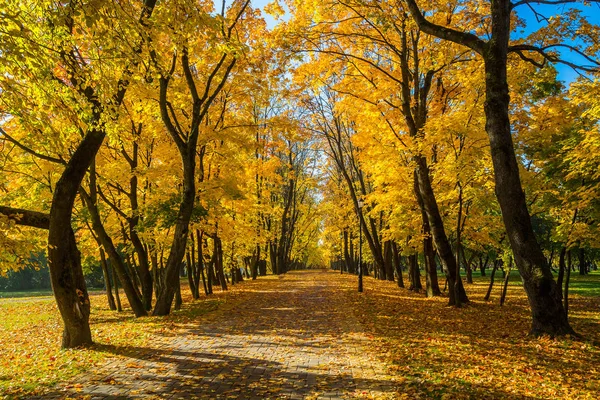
(35, 293)
(586, 285)
(25, 293)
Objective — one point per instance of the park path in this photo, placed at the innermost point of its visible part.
(288, 338)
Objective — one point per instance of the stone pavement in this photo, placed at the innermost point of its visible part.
(290, 338)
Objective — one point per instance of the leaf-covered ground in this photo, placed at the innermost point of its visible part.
(305, 335)
(481, 350)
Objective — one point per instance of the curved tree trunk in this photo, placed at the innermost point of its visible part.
(457, 294)
(115, 258)
(64, 259)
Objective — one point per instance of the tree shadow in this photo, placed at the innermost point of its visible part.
(163, 373)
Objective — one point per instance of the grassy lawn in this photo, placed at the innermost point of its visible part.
(586, 285)
(25, 293)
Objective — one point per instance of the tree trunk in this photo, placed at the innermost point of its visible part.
(192, 269)
(388, 260)
(398, 264)
(178, 299)
(492, 277)
(145, 276)
(457, 294)
(505, 286)
(255, 262)
(68, 285)
(131, 290)
(210, 273)
(218, 249)
(64, 259)
(561, 269)
(200, 237)
(567, 279)
(432, 285)
(548, 314)
(171, 271)
(190, 274)
(109, 294)
(199, 266)
(414, 274)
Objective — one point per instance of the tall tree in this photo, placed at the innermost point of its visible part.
(548, 316)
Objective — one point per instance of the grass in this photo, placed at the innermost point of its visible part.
(585, 285)
(25, 293)
(9, 294)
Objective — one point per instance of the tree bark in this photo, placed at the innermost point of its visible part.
(171, 272)
(388, 260)
(414, 274)
(492, 277)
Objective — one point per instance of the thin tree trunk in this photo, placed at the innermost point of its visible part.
(567, 280)
(432, 285)
(398, 264)
(218, 249)
(457, 294)
(111, 300)
(415, 276)
(505, 286)
(131, 290)
(561, 269)
(492, 277)
(189, 273)
(200, 236)
(388, 260)
(117, 295)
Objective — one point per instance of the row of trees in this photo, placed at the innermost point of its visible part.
(449, 124)
(177, 144)
(440, 130)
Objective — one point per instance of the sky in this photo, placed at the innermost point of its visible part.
(565, 73)
(592, 12)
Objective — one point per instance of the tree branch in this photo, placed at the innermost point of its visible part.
(463, 38)
(24, 217)
(31, 151)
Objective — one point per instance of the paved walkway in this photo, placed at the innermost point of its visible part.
(290, 338)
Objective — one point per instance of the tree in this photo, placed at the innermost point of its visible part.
(548, 316)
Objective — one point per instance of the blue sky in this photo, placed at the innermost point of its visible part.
(566, 74)
(592, 12)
